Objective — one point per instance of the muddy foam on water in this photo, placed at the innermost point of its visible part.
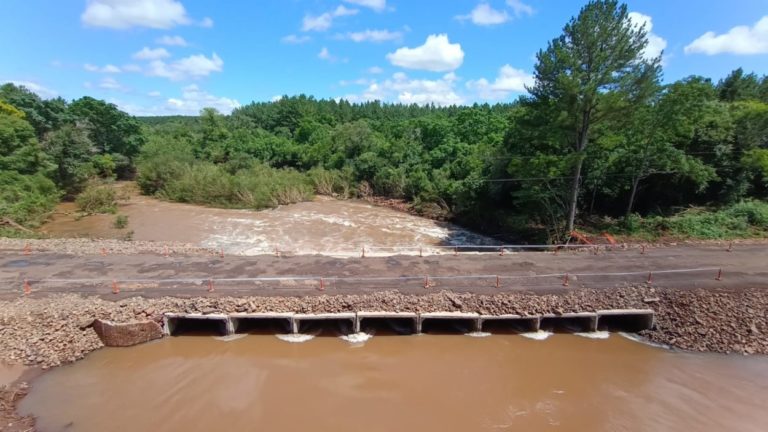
(538, 335)
(295, 338)
(594, 335)
(357, 338)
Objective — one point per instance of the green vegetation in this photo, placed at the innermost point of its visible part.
(51, 149)
(599, 138)
(97, 199)
(121, 221)
(742, 220)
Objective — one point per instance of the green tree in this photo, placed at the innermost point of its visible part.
(593, 71)
(71, 150)
(19, 148)
(738, 86)
(111, 130)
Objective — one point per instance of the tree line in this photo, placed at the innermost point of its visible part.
(599, 143)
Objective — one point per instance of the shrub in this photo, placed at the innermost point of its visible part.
(26, 199)
(97, 199)
(263, 186)
(121, 221)
(201, 183)
(330, 182)
(745, 219)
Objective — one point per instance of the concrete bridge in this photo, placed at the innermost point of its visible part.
(405, 323)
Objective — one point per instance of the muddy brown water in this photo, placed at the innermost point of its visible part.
(409, 383)
(324, 225)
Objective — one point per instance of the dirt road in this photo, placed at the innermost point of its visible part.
(155, 275)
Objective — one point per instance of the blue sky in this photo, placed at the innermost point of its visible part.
(154, 57)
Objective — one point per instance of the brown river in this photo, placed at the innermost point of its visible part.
(402, 383)
(324, 225)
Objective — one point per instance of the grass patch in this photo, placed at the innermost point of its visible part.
(743, 220)
(121, 221)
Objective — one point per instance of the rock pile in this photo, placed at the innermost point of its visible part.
(53, 330)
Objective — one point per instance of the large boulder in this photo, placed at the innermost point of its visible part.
(127, 334)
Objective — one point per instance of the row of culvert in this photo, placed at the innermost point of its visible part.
(404, 323)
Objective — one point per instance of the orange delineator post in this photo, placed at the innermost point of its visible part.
(501, 252)
(650, 278)
(426, 282)
(210, 285)
(565, 280)
(642, 249)
(719, 276)
(103, 251)
(27, 249)
(580, 237)
(27, 287)
(115, 287)
(221, 253)
(730, 247)
(610, 239)
(362, 252)
(322, 284)
(497, 282)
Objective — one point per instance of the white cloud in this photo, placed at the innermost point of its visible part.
(377, 5)
(375, 70)
(437, 54)
(123, 14)
(295, 40)
(400, 88)
(110, 83)
(359, 82)
(193, 100)
(509, 80)
(372, 36)
(195, 66)
(154, 94)
(742, 40)
(34, 87)
(151, 54)
(110, 68)
(131, 68)
(171, 41)
(326, 55)
(484, 15)
(206, 22)
(520, 8)
(656, 44)
(324, 21)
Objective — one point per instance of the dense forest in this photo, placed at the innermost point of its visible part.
(599, 143)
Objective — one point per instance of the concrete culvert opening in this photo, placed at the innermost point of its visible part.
(569, 323)
(629, 322)
(325, 326)
(382, 326)
(510, 325)
(261, 326)
(448, 325)
(197, 326)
